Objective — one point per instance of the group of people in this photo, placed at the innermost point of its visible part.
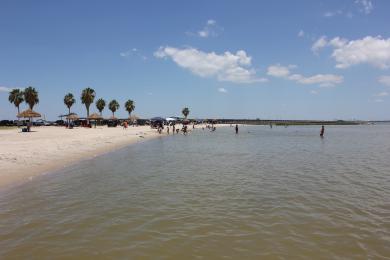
(175, 129)
(212, 128)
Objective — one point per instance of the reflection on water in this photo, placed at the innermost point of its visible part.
(281, 192)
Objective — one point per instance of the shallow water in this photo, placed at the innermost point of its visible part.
(276, 193)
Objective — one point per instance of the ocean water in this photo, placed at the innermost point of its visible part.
(281, 193)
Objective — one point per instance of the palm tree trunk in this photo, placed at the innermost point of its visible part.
(68, 116)
(18, 117)
(88, 115)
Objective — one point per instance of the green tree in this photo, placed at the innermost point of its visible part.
(87, 98)
(16, 97)
(113, 106)
(130, 106)
(69, 100)
(100, 105)
(31, 97)
(185, 112)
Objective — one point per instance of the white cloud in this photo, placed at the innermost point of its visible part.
(324, 80)
(222, 90)
(133, 52)
(4, 89)
(210, 29)
(313, 92)
(301, 33)
(365, 6)
(333, 13)
(368, 50)
(319, 44)
(385, 80)
(225, 67)
(128, 53)
(278, 71)
(378, 100)
(381, 94)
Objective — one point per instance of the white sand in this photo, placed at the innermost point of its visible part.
(24, 156)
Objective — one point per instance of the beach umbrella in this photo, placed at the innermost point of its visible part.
(29, 113)
(95, 116)
(72, 116)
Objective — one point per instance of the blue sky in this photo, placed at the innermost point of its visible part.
(227, 59)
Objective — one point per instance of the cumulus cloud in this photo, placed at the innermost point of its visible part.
(368, 50)
(228, 66)
(324, 80)
(4, 89)
(365, 6)
(222, 90)
(385, 80)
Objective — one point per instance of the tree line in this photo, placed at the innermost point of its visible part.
(30, 96)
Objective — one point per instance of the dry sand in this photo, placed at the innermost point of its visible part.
(24, 156)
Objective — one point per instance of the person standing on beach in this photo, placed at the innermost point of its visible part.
(173, 128)
(167, 129)
(236, 129)
(322, 131)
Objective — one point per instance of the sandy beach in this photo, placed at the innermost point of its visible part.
(24, 156)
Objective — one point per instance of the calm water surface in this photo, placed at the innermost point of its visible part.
(265, 193)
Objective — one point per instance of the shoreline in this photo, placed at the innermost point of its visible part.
(26, 156)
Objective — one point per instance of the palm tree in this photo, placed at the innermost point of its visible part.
(16, 98)
(87, 97)
(129, 105)
(69, 100)
(113, 106)
(100, 104)
(31, 97)
(185, 112)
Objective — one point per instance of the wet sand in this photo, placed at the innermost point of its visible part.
(24, 156)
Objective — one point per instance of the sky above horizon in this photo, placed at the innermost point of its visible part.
(223, 59)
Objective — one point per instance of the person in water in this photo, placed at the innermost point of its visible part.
(322, 131)
(236, 129)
